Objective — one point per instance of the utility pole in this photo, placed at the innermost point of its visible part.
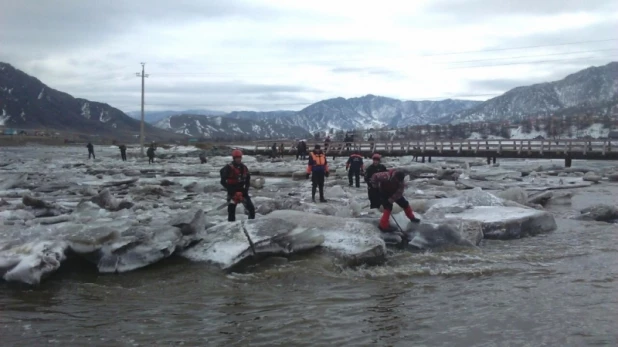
(141, 136)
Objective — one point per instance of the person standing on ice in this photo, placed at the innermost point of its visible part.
(373, 193)
(317, 168)
(90, 150)
(151, 154)
(123, 152)
(390, 185)
(355, 167)
(301, 151)
(203, 159)
(235, 178)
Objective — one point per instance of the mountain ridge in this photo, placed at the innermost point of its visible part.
(594, 85)
(220, 127)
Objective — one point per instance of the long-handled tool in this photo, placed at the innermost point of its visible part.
(404, 237)
(244, 230)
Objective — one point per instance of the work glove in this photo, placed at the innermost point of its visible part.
(327, 174)
(391, 201)
(415, 220)
(238, 197)
(308, 176)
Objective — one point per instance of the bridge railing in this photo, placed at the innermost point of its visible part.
(520, 146)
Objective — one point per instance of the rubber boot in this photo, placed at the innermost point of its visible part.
(322, 194)
(410, 215)
(313, 188)
(384, 224)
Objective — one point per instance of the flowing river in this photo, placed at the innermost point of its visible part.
(556, 289)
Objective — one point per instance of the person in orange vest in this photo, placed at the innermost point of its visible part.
(317, 168)
(390, 185)
(355, 167)
(235, 178)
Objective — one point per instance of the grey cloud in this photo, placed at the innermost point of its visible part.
(368, 70)
(194, 94)
(599, 31)
(57, 25)
(211, 88)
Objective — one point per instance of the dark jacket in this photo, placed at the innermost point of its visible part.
(317, 162)
(372, 169)
(355, 162)
(388, 184)
(235, 177)
(150, 152)
(90, 147)
(302, 147)
(123, 148)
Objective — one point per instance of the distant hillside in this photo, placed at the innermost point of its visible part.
(584, 90)
(27, 103)
(224, 128)
(155, 116)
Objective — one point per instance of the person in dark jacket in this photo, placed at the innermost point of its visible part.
(203, 159)
(273, 151)
(317, 168)
(391, 186)
(90, 150)
(123, 152)
(301, 151)
(373, 193)
(355, 168)
(348, 142)
(235, 178)
(151, 154)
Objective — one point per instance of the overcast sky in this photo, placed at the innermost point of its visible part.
(271, 55)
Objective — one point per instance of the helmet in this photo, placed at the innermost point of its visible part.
(376, 157)
(236, 153)
(400, 176)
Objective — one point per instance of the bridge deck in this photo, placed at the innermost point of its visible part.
(547, 149)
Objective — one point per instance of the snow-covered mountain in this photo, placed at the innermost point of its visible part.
(27, 103)
(252, 115)
(155, 116)
(224, 128)
(586, 89)
(373, 111)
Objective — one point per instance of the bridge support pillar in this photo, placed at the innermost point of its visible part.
(567, 162)
(429, 159)
(494, 160)
(488, 160)
(423, 159)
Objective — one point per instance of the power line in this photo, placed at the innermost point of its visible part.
(528, 56)
(215, 74)
(514, 48)
(313, 102)
(253, 62)
(529, 62)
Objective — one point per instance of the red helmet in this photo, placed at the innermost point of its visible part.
(236, 153)
(376, 157)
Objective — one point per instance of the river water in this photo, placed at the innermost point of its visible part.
(558, 289)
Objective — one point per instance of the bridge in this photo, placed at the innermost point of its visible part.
(491, 149)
